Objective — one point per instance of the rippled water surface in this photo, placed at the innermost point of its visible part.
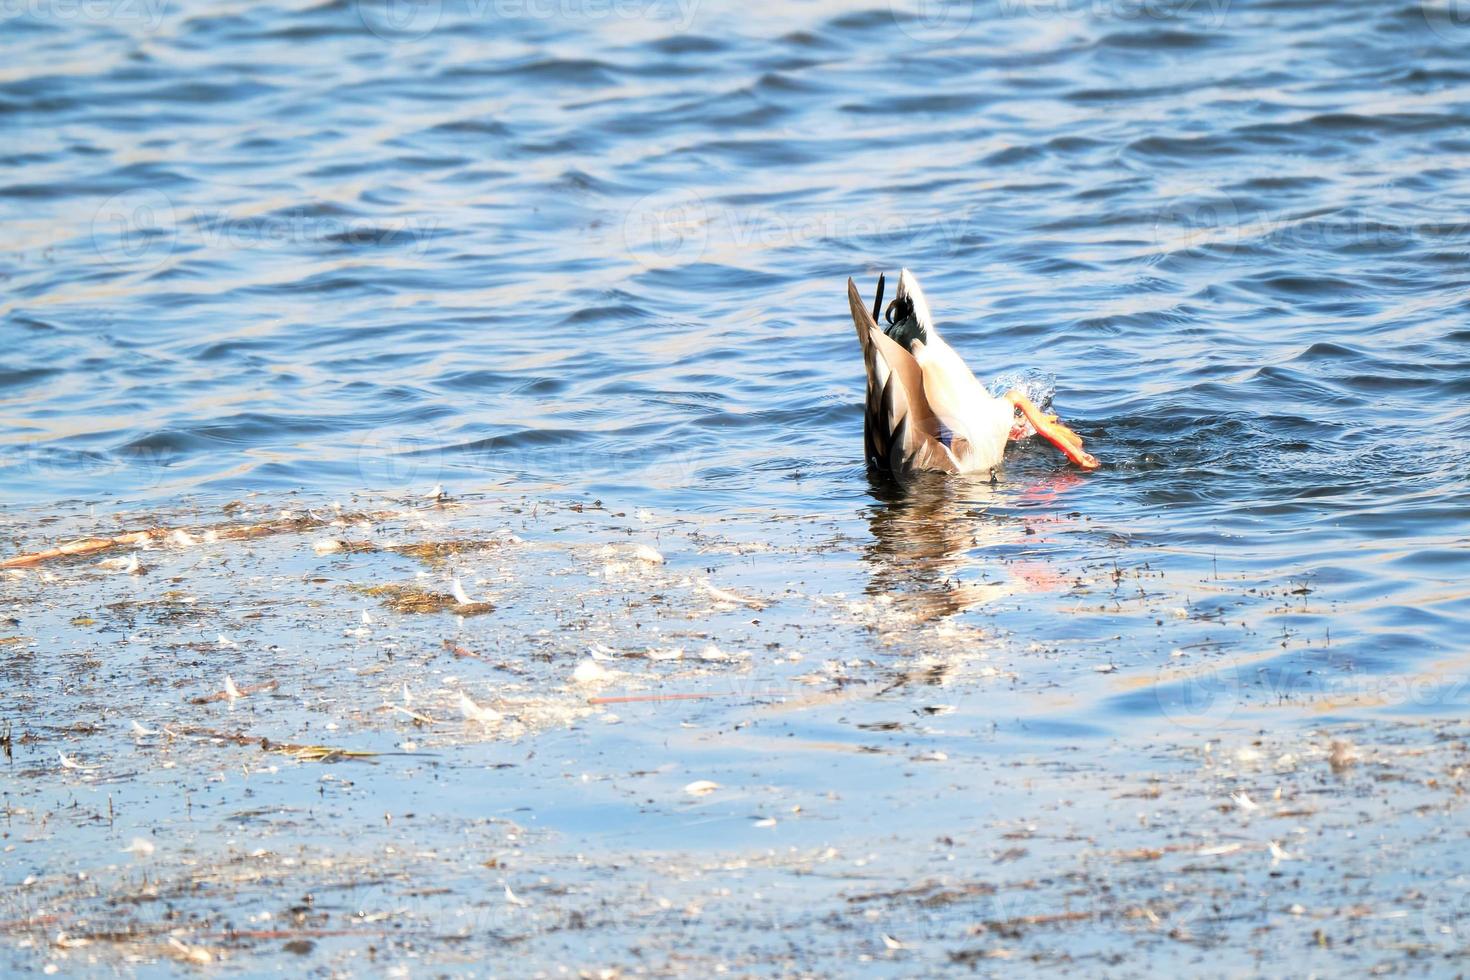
(599, 251)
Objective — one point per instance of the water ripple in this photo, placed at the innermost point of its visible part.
(605, 254)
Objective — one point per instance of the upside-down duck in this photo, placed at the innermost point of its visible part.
(925, 409)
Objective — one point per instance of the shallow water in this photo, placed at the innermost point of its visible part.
(598, 252)
(275, 247)
(241, 753)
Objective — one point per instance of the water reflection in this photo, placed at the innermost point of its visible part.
(928, 534)
(944, 544)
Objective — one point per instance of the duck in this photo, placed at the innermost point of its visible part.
(925, 410)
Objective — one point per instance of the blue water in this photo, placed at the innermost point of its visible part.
(601, 249)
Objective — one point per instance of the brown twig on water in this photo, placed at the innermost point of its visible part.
(159, 535)
(310, 753)
(15, 925)
(239, 692)
(73, 549)
(460, 651)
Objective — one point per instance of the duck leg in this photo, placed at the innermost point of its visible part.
(1053, 431)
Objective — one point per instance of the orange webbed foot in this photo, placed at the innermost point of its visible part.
(1049, 428)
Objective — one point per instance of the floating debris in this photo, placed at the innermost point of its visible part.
(285, 524)
(591, 672)
(413, 599)
(646, 554)
(131, 565)
(416, 716)
(140, 848)
(190, 954)
(654, 698)
(734, 599)
(86, 546)
(460, 651)
(496, 710)
(478, 713)
(318, 753)
(309, 753)
(231, 692)
(435, 552)
(1344, 756)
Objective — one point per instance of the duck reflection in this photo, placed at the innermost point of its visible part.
(930, 535)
